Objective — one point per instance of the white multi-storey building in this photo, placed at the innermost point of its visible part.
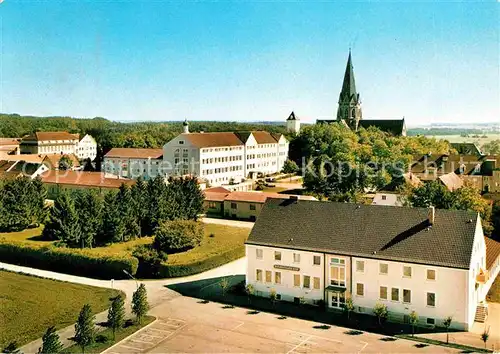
(49, 143)
(225, 157)
(134, 163)
(86, 148)
(434, 262)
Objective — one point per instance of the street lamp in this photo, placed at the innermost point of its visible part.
(131, 276)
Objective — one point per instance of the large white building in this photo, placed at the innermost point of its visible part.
(225, 157)
(433, 262)
(133, 163)
(59, 143)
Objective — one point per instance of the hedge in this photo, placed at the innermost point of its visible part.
(181, 270)
(67, 260)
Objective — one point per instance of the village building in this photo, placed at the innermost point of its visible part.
(134, 163)
(9, 146)
(437, 263)
(86, 148)
(225, 158)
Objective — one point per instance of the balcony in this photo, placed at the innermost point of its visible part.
(482, 277)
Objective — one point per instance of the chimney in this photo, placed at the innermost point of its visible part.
(432, 215)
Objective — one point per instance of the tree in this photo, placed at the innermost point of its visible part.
(87, 165)
(89, 207)
(124, 203)
(224, 285)
(349, 307)
(413, 321)
(446, 325)
(116, 314)
(50, 342)
(85, 328)
(11, 348)
(273, 297)
(484, 336)
(380, 310)
(113, 227)
(178, 235)
(63, 222)
(140, 304)
(290, 167)
(65, 163)
(249, 290)
(140, 207)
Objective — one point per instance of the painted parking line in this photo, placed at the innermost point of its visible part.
(129, 347)
(159, 330)
(364, 346)
(149, 335)
(238, 325)
(141, 341)
(298, 345)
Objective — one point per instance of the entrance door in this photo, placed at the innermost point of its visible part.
(338, 300)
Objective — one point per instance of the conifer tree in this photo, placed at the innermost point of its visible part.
(50, 342)
(140, 304)
(125, 203)
(112, 228)
(140, 205)
(116, 314)
(63, 222)
(89, 205)
(85, 328)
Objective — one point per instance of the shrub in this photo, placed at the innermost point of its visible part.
(67, 260)
(150, 260)
(178, 235)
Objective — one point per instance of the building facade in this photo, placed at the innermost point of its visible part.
(225, 157)
(49, 143)
(86, 148)
(324, 253)
(134, 163)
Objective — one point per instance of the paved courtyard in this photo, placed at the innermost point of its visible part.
(188, 325)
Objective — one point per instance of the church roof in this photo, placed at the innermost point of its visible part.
(292, 116)
(393, 126)
(349, 84)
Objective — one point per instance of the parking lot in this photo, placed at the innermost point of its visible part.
(188, 325)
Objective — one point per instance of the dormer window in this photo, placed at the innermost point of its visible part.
(181, 142)
(462, 168)
(477, 169)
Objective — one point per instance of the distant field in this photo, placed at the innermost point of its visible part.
(460, 139)
(28, 305)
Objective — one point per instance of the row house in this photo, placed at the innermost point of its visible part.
(434, 262)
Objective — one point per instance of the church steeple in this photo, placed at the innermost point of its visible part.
(349, 109)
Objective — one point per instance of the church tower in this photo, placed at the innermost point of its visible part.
(293, 124)
(349, 110)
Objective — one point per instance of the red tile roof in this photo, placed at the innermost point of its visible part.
(82, 178)
(202, 140)
(54, 159)
(218, 190)
(214, 196)
(492, 251)
(135, 153)
(45, 136)
(264, 137)
(451, 181)
(9, 141)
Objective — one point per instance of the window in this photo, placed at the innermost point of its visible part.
(383, 292)
(395, 294)
(296, 258)
(181, 142)
(268, 276)
(296, 280)
(407, 271)
(259, 253)
(338, 300)
(431, 321)
(431, 274)
(316, 283)
(360, 289)
(252, 206)
(233, 206)
(360, 266)
(317, 260)
(212, 205)
(307, 282)
(431, 299)
(337, 272)
(259, 275)
(277, 277)
(406, 296)
(384, 197)
(383, 268)
(277, 255)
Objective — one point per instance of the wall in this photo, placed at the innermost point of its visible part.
(286, 289)
(449, 287)
(132, 168)
(242, 210)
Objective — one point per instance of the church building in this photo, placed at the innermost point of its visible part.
(349, 111)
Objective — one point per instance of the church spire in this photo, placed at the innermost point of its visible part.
(349, 110)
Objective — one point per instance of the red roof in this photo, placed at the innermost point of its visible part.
(45, 136)
(135, 153)
(492, 251)
(217, 190)
(264, 137)
(83, 178)
(214, 197)
(202, 140)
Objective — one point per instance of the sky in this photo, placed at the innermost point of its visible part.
(249, 60)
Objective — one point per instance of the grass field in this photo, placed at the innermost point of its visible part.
(105, 338)
(460, 139)
(225, 238)
(28, 305)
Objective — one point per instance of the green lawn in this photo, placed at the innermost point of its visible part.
(105, 338)
(225, 238)
(28, 305)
